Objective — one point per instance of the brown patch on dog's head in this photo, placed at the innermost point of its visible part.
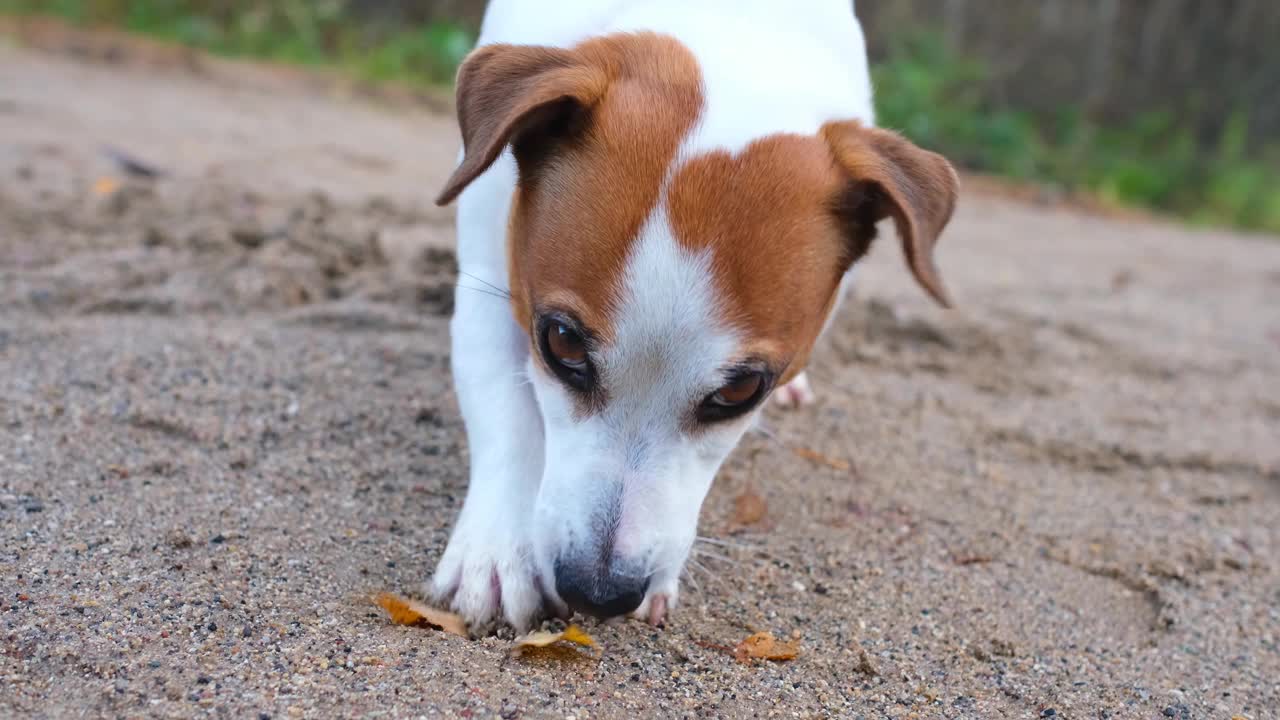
(785, 218)
(593, 130)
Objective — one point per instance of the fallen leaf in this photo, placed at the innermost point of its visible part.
(815, 456)
(749, 508)
(574, 634)
(105, 186)
(540, 639)
(708, 645)
(764, 646)
(410, 612)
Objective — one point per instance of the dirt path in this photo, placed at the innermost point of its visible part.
(225, 416)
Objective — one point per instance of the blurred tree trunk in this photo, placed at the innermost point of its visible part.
(1203, 62)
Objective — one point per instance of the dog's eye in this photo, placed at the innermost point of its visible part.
(565, 351)
(740, 391)
(566, 346)
(735, 397)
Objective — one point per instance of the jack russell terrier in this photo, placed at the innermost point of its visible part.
(658, 203)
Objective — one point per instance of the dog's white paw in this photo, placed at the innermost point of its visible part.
(795, 394)
(487, 574)
(658, 603)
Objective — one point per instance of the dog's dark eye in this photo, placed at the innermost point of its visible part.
(738, 392)
(735, 397)
(566, 346)
(565, 351)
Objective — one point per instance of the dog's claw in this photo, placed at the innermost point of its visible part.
(658, 611)
(656, 607)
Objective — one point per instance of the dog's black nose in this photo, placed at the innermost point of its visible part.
(598, 591)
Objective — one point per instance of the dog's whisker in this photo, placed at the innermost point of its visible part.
(715, 556)
(711, 575)
(688, 574)
(754, 549)
(522, 376)
(482, 291)
(727, 543)
(482, 281)
(765, 430)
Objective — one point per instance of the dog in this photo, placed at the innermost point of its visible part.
(659, 202)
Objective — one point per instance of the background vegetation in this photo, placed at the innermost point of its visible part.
(1166, 104)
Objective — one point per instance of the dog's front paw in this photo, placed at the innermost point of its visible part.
(488, 574)
(795, 394)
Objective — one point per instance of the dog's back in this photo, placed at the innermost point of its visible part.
(767, 66)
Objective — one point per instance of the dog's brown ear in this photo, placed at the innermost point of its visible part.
(892, 177)
(506, 90)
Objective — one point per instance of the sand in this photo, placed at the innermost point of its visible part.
(226, 418)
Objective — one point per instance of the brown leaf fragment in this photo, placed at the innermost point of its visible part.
(414, 614)
(764, 646)
(708, 645)
(865, 664)
(817, 457)
(540, 640)
(749, 508)
(105, 186)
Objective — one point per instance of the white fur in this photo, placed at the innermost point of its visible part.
(768, 67)
(636, 456)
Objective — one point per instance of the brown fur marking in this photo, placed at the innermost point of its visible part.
(595, 130)
(776, 245)
(786, 217)
(619, 106)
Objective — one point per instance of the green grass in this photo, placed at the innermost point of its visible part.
(923, 88)
(934, 96)
(308, 32)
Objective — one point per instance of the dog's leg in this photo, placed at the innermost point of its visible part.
(796, 393)
(487, 571)
(799, 393)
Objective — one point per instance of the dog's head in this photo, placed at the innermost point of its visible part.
(665, 291)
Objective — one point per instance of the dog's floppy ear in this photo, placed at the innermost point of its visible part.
(890, 176)
(504, 91)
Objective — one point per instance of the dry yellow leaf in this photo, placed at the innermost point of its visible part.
(541, 639)
(815, 456)
(764, 646)
(410, 612)
(749, 508)
(105, 186)
(576, 635)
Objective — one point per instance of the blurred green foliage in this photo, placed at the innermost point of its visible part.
(924, 89)
(312, 32)
(934, 96)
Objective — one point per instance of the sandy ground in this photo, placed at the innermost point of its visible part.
(225, 417)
